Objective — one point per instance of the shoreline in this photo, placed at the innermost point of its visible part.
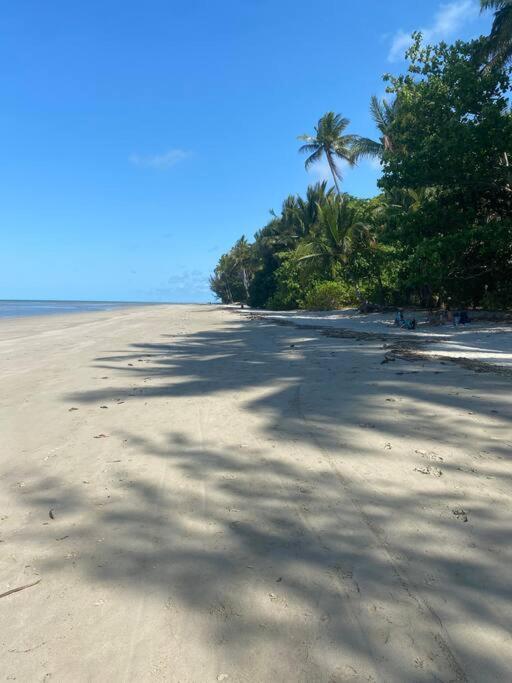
(109, 306)
(55, 322)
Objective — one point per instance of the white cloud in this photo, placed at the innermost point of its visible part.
(189, 281)
(401, 41)
(375, 164)
(322, 171)
(448, 20)
(183, 286)
(160, 161)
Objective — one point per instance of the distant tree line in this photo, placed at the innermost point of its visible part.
(439, 231)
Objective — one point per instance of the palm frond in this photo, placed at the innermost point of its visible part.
(307, 257)
(309, 148)
(365, 147)
(378, 112)
(346, 140)
(331, 123)
(329, 139)
(335, 169)
(390, 109)
(499, 42)
(313, 158)
(493, 4)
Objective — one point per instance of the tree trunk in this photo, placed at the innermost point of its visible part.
(331, 166)
(246, 283)
(381, 288)
(230, 296)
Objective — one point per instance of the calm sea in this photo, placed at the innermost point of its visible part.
(19, 309)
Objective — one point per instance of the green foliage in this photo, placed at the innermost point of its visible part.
(441, 229)
(449, 168)
(498, 47)
(330, 295)
(451, 127)
(263, 285)
(383, 113)
(288, 293)
(465, 266)
(232, 275)
(339, 229)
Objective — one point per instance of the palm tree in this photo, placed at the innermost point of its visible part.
(307, 209)
(329, 139)
(223, 277)
(499, 43)
(242, 255)
(340, 228)
(383, 114)
(284, 229)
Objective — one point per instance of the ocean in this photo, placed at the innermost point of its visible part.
(23, 308)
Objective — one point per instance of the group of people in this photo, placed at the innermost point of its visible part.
(445, 316)
(448, 317)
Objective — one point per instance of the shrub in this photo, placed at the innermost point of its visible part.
(288, 291)
(327, 296)
(262, 287)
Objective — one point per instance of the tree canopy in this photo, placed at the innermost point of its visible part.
(439, 232)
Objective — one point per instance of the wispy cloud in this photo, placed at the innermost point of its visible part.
(448, 19)
(189, 280)
(374, 164)
(322, 171)
(160, 161)
(184, 285)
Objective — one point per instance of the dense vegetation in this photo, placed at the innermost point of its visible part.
(439, 232)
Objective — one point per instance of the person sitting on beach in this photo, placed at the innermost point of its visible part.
(460, 318)
(400, 321)
(410, 324)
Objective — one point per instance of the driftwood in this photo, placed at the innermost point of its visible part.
(20, 588)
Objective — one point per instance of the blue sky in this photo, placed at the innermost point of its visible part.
(141, 139)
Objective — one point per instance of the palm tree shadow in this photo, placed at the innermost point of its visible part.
(257, 538)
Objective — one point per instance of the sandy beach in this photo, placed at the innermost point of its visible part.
(205, 497)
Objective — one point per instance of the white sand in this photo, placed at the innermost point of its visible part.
(266, 504)
(487, 342)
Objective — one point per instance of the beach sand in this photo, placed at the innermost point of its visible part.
(205, 497)
(481, 341)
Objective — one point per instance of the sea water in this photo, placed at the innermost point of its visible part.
(22, 308)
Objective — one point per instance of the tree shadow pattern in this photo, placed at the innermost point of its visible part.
(292, 542)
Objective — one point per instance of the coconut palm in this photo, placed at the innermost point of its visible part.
(283, 230)
(329, 139)
(383, 113)
(307, 209)
(297, 218)
(224, 279)
(499, 44)
(340, 228)
(242, 256)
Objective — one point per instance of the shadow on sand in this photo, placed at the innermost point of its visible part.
(290, 540)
